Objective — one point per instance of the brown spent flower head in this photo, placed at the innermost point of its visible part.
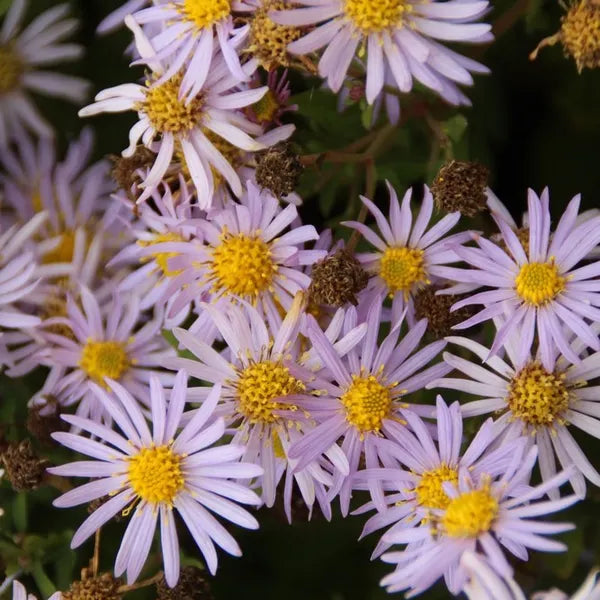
(24, 468)
(460, 186)
(278, 169)
(337, 279)
(124, 170)
(436, 309)
(579, 35)
(192, 585)
(102, 587)
(44, 419)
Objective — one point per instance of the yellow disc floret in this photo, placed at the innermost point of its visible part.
(268, 40)
(367, 403)
(402, 269)
(64, 250)
(166, 111)
(242, 265)
(11, 70)
(205, 13)
(580, 34)
(371, 16)
(430, 491)
(155, 474)
(104, 359)
(539, 283)
(259, 385)
(470, 514)
(536, 396)
(162, 258)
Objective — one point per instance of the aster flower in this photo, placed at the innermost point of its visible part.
(409, 256)
(245, 255)
(413, 493)
(156, 473)
(485, 513)
(535, 397)
(363, 394)
(264, 399)
(539, 288)
(116, 343)
(116, 18)
(483, 583)
(20, 593)
(21, 54)
(398, 37)
(192, 33)
(168, 124)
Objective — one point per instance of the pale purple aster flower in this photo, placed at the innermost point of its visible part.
(363, 393)
(117, 343)
(416, 486)
(483, 583)
(168, 125)
(397, 38)
(485, 513)
(246, 254)
(21, 55)
(407, 255)
(540, 288)
(156, 473)
(192, 34)
(116, 18)
(264, 399)
(539, 397)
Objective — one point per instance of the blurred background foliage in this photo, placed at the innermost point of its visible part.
(534, 124)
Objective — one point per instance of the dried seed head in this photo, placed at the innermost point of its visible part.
(44, 419)
(436, 309)
(191, 586)
(24, 468)
(124, 170)
(460, 186)
(278, 169)
(103, 587)
(337, 279)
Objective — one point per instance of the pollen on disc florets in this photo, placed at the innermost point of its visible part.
(269, 40)
(538, 283)
(430, 490)
(538, 397)
(102, 587)
(375, 17)
(104, 359)
(580, 34)
(460, 186)
(242, 265)
(11, 70)
(258, 387)
(470, 514)
(205, 13)
(403, 269)
(156, 475)
(367, 402)
(162, 258)
(166, 111)
(337, 280)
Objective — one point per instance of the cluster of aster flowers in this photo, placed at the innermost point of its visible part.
(210, 353)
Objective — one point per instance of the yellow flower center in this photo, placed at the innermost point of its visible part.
(376, 16)
(162, 258)
(242, 265)
(580, 34)
(166, 111)
(430, 491)
(258, 386)
(156, 475)
(268, 40)
(63, 251)
(11, 70)
(402, 269)
(536, 396)
(104, 359)
(266, 108)
(205, 13)
(367, 403)
(470, 514)
(538, 283)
